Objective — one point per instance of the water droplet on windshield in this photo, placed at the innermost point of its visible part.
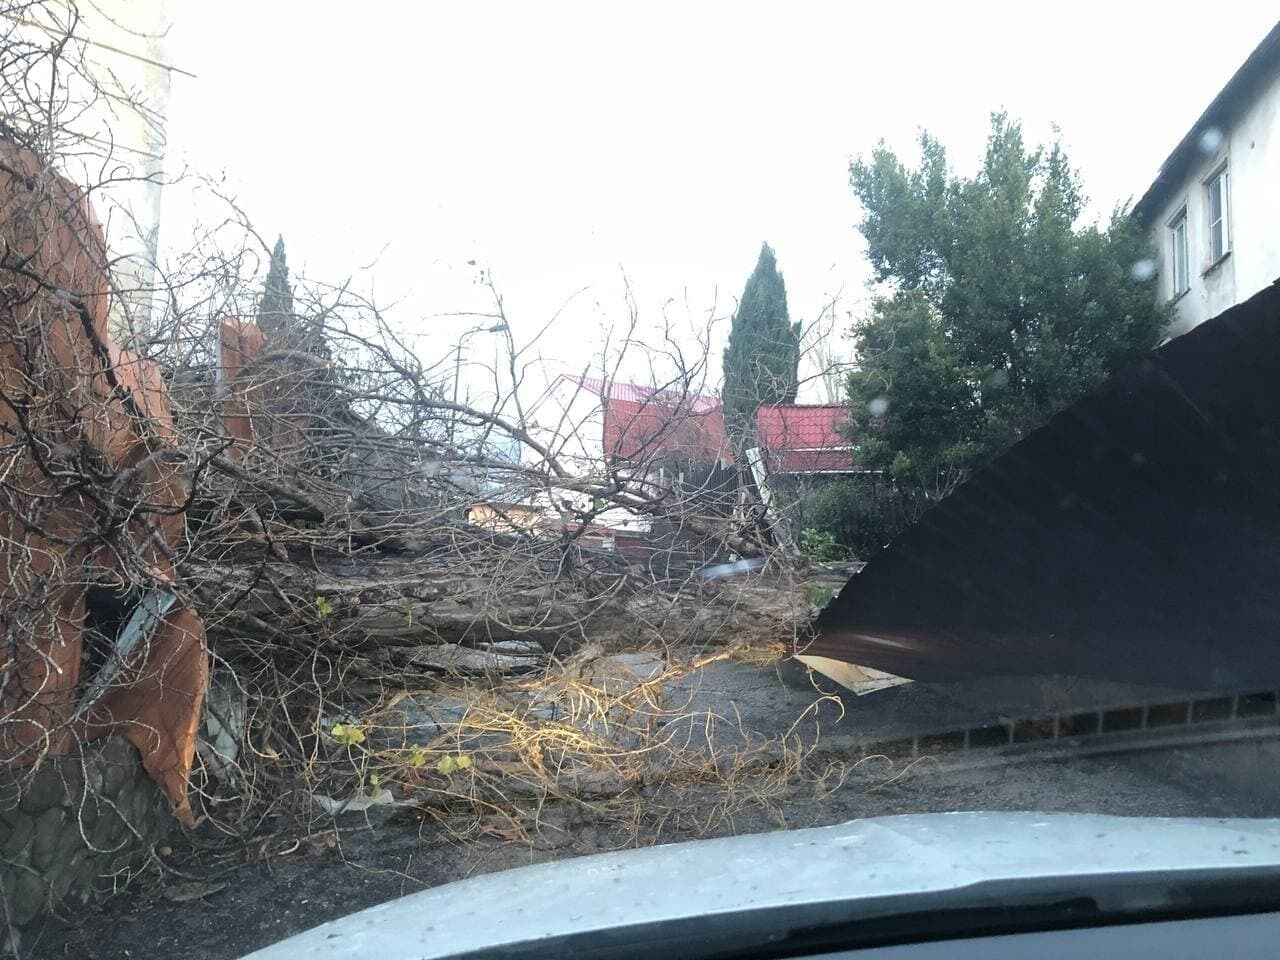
(1211, 140)
(878, 407)
(1144, 269)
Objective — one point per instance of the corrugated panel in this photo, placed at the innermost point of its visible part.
(639, 430)
(804, 438)
(1134, 537)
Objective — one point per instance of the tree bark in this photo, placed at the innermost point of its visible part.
(390, 601)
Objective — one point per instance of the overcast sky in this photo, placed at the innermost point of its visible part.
(560, 143)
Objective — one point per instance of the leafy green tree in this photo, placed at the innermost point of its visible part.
(999, 309)
(762, 360)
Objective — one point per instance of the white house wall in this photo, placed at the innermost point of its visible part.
(120, 137)
(1251, 148)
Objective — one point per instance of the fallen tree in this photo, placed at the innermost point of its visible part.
(339, 562)
(260, 513)
(388, 601)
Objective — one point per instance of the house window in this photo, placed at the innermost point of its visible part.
(1178, 253)
(1219, 223)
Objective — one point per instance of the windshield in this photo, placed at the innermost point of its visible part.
(436, 439)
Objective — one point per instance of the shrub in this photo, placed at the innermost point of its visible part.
(852, 518)
(820, 546)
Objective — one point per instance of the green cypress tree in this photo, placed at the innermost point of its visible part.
(762, 360)
(276, 316)
(275, 309)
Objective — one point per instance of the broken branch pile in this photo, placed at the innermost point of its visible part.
(336, 562)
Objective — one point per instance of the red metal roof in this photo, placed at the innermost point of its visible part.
(642, 423)
(634, 393)
(637, 430)
(804, 439)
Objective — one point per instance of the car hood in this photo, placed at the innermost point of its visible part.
(869, 868)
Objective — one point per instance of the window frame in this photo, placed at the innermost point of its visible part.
(1179, 222)
(1218, 183)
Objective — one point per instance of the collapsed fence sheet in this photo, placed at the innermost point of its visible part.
(1134, 537)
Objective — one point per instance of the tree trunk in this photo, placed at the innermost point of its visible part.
(517, 610)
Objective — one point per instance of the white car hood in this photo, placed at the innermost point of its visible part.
(880, 861)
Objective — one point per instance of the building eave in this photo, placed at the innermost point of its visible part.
(1220, 113)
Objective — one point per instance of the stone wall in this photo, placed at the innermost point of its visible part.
(73, 828)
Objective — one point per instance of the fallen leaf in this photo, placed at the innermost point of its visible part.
(191, 890)
(322, 843)
(347, 733)
(447, 764)
(356, 804)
